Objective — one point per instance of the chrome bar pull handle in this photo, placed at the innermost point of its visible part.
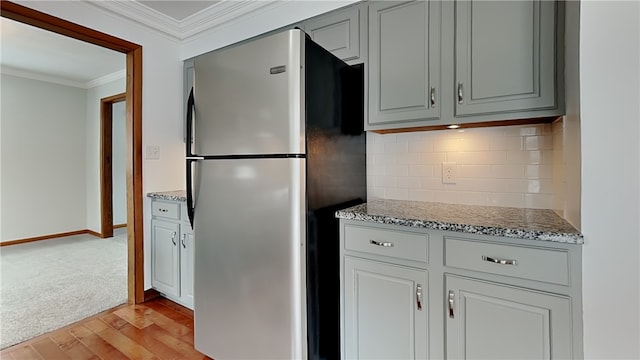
(432, 97)
(381, 243)
(419, 297)
(452, 298)
(460, 97)
(499, 261)
(190, 157)
(184, 245)
(173, 238)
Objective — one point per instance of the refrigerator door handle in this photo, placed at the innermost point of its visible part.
(190, 106)
(190, 207)
(190, 157)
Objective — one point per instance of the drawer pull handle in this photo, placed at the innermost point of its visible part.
(419, 296)
(499, 261)
(381, 243)
(451, 301)
(173, 238)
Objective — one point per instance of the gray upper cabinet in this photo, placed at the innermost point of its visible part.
(446, 62)
(505, 56)
(404, 62)
(342, 32)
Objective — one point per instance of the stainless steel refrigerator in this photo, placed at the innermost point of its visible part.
(275, 145)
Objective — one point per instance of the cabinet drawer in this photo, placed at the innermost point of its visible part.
(540, 264)
(165, 210)
(398, 244)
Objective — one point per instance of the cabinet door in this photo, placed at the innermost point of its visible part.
(165, 266)
(404, 59)
(186, 265)
(385, 314)
(491, 321)
(505, 56)
(339, 32)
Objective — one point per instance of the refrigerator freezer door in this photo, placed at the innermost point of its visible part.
(248, 97)
(249, 259)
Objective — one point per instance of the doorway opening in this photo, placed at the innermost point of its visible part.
(108, 189)
(133, 97)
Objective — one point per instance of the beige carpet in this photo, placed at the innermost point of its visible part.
(48, 284)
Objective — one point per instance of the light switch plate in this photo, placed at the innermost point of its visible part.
(153, 152)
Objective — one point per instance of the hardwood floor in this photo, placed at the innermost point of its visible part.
(157, 329)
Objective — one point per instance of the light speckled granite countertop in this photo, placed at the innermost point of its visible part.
(176, 195)
(534, 224)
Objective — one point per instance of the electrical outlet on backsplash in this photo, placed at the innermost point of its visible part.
(513, 166)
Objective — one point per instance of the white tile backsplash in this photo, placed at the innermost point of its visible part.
(508, 171)
(499, 166)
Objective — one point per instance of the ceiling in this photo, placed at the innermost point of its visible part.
(35, 53)
(178, 10)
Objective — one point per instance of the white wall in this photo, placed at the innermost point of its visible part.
(610, 123)
(70, 100)
(92, 151)
(119, 163)
(571, 162)
(43, 160)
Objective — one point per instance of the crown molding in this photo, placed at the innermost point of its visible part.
(216, 15)
(142, 14)
(219, 14)
(120, 74)
(7, 70)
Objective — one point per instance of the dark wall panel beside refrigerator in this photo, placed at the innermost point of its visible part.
(336, 179)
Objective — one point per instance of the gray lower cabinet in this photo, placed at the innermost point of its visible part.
(172, 251)
(404, 62)
(165, 257)
(492, 321)
(187, 262)
(411, 293)
(385, 316)
(385, 291)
